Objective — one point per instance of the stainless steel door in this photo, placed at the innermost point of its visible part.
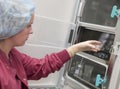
(94, 15)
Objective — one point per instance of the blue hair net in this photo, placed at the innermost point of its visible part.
(14, 16)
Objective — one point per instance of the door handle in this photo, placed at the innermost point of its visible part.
(115, 12)
(71, 35)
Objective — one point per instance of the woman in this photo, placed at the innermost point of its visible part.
(16, 18)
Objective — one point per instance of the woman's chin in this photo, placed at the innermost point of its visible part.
(21, 44)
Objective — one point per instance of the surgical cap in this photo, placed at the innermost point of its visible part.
(14, 16)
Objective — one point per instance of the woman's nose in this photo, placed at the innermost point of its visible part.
(31, 31)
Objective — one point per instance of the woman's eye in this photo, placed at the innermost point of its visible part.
(29, 25)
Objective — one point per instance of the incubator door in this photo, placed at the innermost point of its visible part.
(98, 12)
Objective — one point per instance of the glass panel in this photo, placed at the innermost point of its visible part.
(105, 38)
(99, 11)
(85, 71)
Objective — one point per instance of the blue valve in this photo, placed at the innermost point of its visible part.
(99, 80)
(115, 12)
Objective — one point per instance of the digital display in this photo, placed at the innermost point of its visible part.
(106, 39)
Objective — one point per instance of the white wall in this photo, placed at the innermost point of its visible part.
(57, 9)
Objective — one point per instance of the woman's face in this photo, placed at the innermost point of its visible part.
(20, 38)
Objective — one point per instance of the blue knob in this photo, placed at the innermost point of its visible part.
(115, 11)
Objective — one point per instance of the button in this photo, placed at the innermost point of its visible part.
(24, 79)
(7, 67)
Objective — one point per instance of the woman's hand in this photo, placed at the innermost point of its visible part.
(91, 45)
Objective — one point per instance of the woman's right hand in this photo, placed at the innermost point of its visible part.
(90, 45)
